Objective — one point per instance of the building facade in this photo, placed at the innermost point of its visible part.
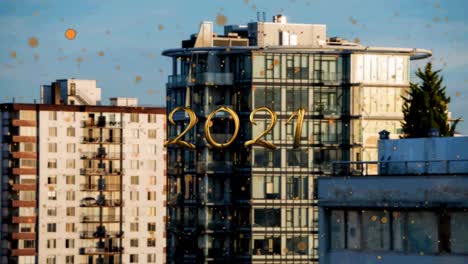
(82, 183)
(414, 210)
(255, 203)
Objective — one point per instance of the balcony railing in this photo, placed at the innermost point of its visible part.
(95, 234)
(214, 167)
(91, 202)
(104, 155)
(96, 123)
(101, 250)
(388, 168)
(98, 187)
(110, 140)
(97, 171)
(206, 78)
(99, 218)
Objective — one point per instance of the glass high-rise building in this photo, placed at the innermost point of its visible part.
(255, 203)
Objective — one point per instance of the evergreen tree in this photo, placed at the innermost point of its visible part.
(426, 106)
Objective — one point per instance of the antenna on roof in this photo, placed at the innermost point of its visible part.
(261, 16)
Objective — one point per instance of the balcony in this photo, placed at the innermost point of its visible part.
(23, 187)
(24, 123)
(24, 155)
(24, 171)
(101, 250)
(100, 218)
(99, 140)
(103, 172)
(101, 155)
(206, 78)
(214, 167)
(20, 203)
(23, 219)
(207, 109)
(23, 252)
(92, 202)
(26, 236)
(95, 234)
(98, 187)
(27, 139)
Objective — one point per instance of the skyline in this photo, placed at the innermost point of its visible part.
(120, 45)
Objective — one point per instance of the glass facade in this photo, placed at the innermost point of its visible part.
(252, 204)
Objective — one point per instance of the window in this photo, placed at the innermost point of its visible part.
(51, 260)
(70, 179)
(69, 259)
(151, 211)
(51, 227)
(134, 242)
(134, 227)
(27, 115)
(298, 158)
(134, 118)
(297, 187)
(52, 131)
(296, 99)
(152, 118)
(151, 258)
(151, 227)
(134, 195)
(266, 187)
(134, 164)
(70, 227)
(152, 133)
(70, 148)
(297, 245)
(70, 211)
(70, 195)
(51, 243)
(52, 179)
(267, 158)
(52, 195)
(266, 245)
(267, 217)
(52, 211)
(151, 165)
(28, 163)
(70, 131)
(52, 163)
(133, 258)
(52, 147)
(297, 217)
(136, 148)
(52, 116)
(151, 196)
(134, 180)
(152, 180)
(69, 243)
(27, 147)
(70, 163)
(151, 242)
(270, 97)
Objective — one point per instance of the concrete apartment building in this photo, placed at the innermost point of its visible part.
(414, 210)
(251, 204)
(82, 182)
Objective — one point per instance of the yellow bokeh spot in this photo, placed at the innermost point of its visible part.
(70, 34)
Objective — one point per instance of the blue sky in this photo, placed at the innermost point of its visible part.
(119, 40)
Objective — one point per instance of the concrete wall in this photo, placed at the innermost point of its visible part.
(269, 34)
(435, 150)
(380, 190)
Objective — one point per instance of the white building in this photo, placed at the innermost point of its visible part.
(82, 184)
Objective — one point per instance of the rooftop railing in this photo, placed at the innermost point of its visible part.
(400, 168)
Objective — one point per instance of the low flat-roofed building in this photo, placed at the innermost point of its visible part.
(413, 211)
